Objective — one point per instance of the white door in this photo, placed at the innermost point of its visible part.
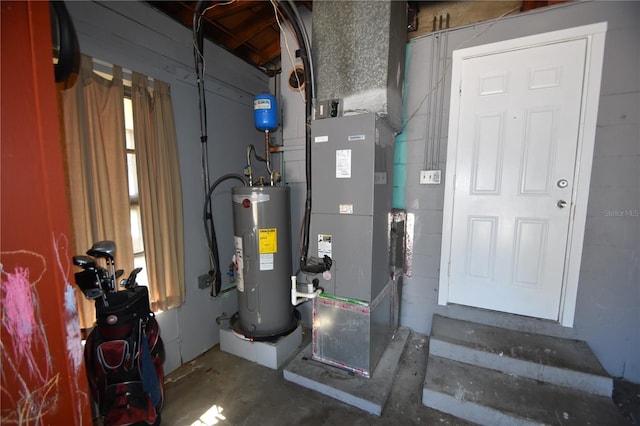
(518, 128)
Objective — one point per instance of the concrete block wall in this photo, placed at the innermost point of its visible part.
(608, 304)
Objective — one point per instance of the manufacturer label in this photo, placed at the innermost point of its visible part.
(267, 240)
(262, 104)
(345, 208)
(356, 138)
(239, 263)
(343, 164)
(324, 245)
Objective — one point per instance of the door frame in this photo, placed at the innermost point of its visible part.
(595, 37)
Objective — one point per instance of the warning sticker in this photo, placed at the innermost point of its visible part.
(268, 240)
(266, 262)
(324, 245)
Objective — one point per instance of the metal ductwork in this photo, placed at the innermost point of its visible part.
(360, 65)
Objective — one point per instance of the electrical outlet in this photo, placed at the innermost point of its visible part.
(430, 177)
(204, 281)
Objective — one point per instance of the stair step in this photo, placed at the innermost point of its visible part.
(563, 362)
(489, 397)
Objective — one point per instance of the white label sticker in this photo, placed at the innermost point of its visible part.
(319, 139)
(345, 208)
(343, 164)
(266, 262)
(239, 263)
(262, 104)
(324, 245)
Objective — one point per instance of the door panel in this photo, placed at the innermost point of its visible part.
(517, 137)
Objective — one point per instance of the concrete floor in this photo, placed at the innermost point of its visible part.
(220, 388)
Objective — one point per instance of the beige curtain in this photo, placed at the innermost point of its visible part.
(94, 138)
(160, 191)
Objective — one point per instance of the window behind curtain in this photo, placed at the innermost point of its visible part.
(137, 238)
(130, 191)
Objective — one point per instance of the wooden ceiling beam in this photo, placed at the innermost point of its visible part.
(222, 36)
(254, 37)
(251, 28)
(226, 10)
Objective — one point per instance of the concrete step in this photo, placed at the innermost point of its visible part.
(368, 394)
(489, 397)
(548, 359)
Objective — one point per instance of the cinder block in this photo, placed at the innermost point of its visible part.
(268, 354)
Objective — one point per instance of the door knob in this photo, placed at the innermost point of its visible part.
(561, 204)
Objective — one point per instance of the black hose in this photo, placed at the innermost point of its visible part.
(211, 233)
(68, 49)
(305, 52)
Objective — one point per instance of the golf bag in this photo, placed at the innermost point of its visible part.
(124, 352)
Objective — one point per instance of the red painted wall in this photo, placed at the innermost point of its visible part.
(43, 380)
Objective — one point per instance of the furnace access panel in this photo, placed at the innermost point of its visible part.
(352, 187)
(352, 164)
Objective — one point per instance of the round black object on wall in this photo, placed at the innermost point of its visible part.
(297, 79)
(66, 51)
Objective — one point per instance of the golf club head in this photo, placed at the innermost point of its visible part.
(89, 282)
(85, 262)
(103, 249)
(131, 281)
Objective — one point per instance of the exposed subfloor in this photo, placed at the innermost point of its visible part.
(220, 388)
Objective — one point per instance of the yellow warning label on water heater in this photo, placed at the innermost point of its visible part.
(268, 240)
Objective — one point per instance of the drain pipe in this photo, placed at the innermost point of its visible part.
(298, 297)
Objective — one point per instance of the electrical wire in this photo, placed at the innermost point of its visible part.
(308, 69)
(286, 44)
(288, 11)
(199, 66)
(291, 15)
(306, 42)
(441, 106)
(429, 113)
(210, 232)
(449, 60)
(200, 71)
(211, 7)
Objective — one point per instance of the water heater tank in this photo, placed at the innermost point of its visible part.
(262, 233)
(265, 112)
